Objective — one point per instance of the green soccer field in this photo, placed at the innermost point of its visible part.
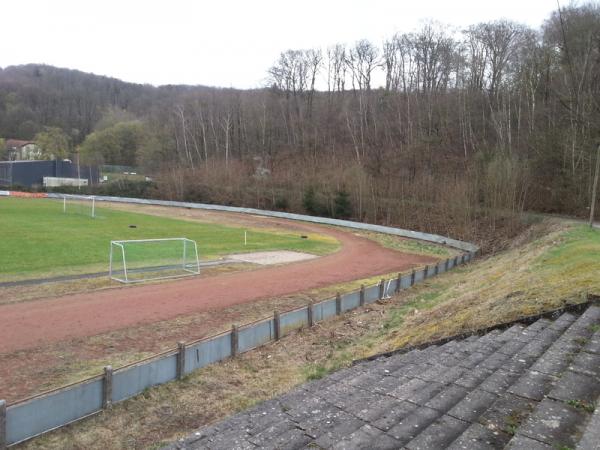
(37, 239)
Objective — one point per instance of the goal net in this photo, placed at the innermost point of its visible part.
(80, 205)
(134, 261)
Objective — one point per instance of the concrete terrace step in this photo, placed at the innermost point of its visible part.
(524, 410)
(570, 395)
(525, 387)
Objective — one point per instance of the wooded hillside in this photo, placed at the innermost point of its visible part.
(469, 128)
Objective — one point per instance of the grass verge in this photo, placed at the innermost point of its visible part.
(406, 245)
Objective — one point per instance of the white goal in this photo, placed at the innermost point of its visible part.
(82, 205)
(134, 261)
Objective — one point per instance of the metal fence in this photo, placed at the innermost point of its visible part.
(111, 168)
(31, 417)
(464, 246)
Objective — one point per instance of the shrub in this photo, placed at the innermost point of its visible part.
(282, 204)
(311, 203)
(342, 206)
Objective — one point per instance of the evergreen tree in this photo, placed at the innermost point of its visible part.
(342, 205)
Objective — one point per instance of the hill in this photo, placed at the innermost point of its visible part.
(467, 132)
(34, 96)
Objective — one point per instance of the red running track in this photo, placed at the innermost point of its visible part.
(34, 323)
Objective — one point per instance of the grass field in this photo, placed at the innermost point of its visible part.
(38, 239)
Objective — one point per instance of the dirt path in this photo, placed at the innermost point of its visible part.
(30, 324)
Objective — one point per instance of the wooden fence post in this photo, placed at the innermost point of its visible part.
(311, 314)
(436, 269)
(107, 386)
(426, 271)
(361, 295)
(446, 264)
(3, 430)
(234, 340)
(180, 360)
(338, 304)
(398, 283)
(381, 288)
(412, 277)
(277, 325)
(455, 261)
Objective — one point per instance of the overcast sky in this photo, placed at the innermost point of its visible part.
(227, 43)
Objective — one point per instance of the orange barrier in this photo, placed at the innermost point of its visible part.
(28, 194)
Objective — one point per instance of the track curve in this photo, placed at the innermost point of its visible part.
(34, 323)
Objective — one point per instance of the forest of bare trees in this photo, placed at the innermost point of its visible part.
(453, 131)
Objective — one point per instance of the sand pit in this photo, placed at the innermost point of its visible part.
(271, 257)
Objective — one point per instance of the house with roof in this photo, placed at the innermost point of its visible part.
(19, 150)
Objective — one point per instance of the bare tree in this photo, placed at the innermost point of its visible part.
(493, 45)
(336, 68)
(362, 60)
(433, 53)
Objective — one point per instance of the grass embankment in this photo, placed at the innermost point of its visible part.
(38, 239)
(556, 265)
(556, 268)
(411, 245)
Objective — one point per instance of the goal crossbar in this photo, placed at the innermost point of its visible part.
(188, 264)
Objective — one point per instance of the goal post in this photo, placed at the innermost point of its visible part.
(82, 205)
(139, 260)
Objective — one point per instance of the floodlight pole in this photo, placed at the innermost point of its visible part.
(93, 207)
(595, 187)
(78, 172)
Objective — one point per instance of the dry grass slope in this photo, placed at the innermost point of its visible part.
(557, 266)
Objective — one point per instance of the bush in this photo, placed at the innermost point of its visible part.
(121, 188)
(311, 203)
(342, 206)
(198, 193)
(282, 204)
